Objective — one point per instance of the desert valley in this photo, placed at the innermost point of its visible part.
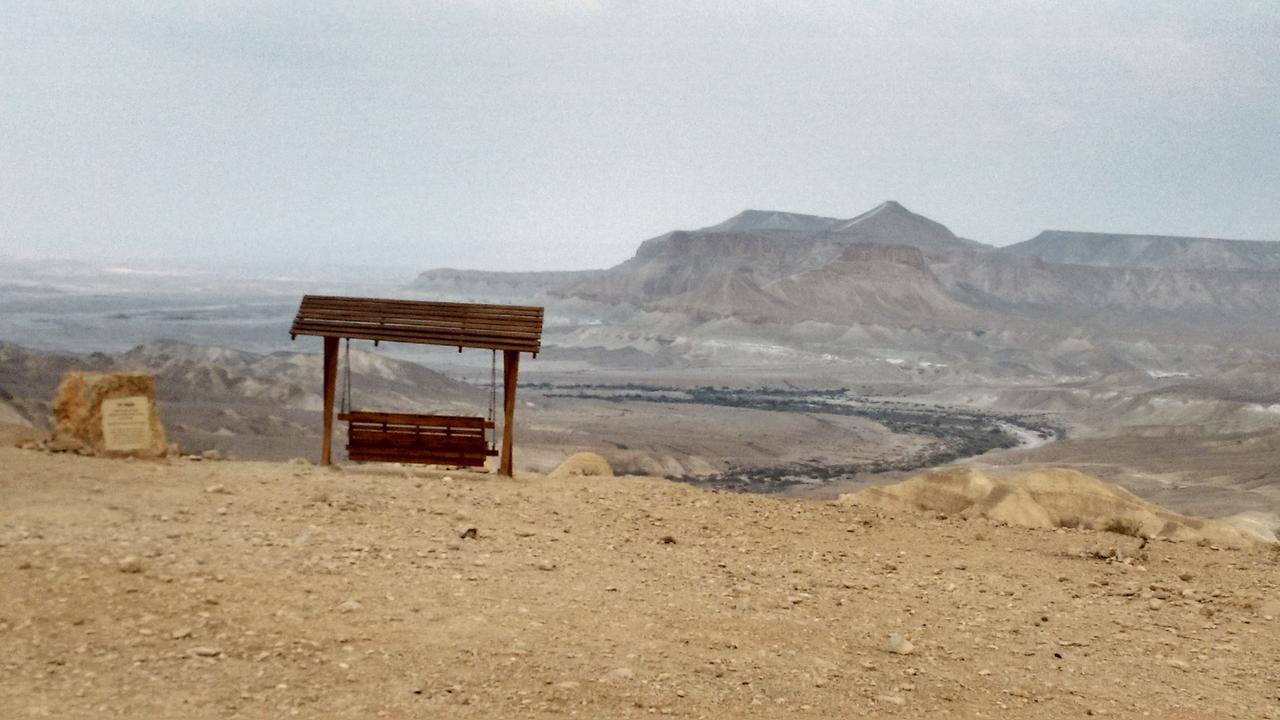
(419, 360)
(811, 355)
(739, 541)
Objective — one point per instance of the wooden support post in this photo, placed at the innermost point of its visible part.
(330, 383)
(510, 368)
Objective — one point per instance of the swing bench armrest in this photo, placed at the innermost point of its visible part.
(384, 418)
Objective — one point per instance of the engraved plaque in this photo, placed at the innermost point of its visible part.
(126, 423)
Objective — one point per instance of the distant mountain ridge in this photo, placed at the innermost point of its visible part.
(764, 242)
(1149, 251)
(888, 223)
(873, 291)
(699, 263)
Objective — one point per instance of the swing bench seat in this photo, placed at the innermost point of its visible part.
(420, 439)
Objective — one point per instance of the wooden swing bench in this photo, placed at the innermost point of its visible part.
(427, 439)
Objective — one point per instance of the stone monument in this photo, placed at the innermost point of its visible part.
(109, 414)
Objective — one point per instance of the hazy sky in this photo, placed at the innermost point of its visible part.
(559, 133)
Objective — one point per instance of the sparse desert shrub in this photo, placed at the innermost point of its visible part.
(1072, 523)
(1124, 527)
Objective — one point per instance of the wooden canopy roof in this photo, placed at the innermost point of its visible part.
(494, 327)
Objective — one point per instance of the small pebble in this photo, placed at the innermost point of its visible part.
(618, 675)
(899, 645)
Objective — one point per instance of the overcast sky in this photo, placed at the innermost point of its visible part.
(547, 134)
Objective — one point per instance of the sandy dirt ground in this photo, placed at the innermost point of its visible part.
(221, 589)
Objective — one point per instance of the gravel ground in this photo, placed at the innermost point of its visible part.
(223, 589)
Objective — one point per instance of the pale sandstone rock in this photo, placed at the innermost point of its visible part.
(1045, 498)
(584, 464)
(899, 645)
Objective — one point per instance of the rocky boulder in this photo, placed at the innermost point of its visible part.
(583, 464)
(1045, 498)
(108, 414)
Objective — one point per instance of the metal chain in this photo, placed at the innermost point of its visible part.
(493, 397)
(346, 380)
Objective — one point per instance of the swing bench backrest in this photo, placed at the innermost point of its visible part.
(420, 439)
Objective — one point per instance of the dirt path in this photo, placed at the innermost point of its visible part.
(199, 590)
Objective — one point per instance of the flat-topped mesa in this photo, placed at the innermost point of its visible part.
(772, 220)
(1159, 252)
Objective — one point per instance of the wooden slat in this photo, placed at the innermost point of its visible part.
(410, 445)
(452, 460)
(363, 416)
(391, 451)
(426, 311)
(419, 338)
(428, 314)
(451, 339)
(357, 302)
(410, 431)
(500, 324)
(420, 430)
(403, 445)
(389, 454)
(420, 459)
(364, 436)
(499, 327)
(372, 434)
(398, 333)
(496, 326)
